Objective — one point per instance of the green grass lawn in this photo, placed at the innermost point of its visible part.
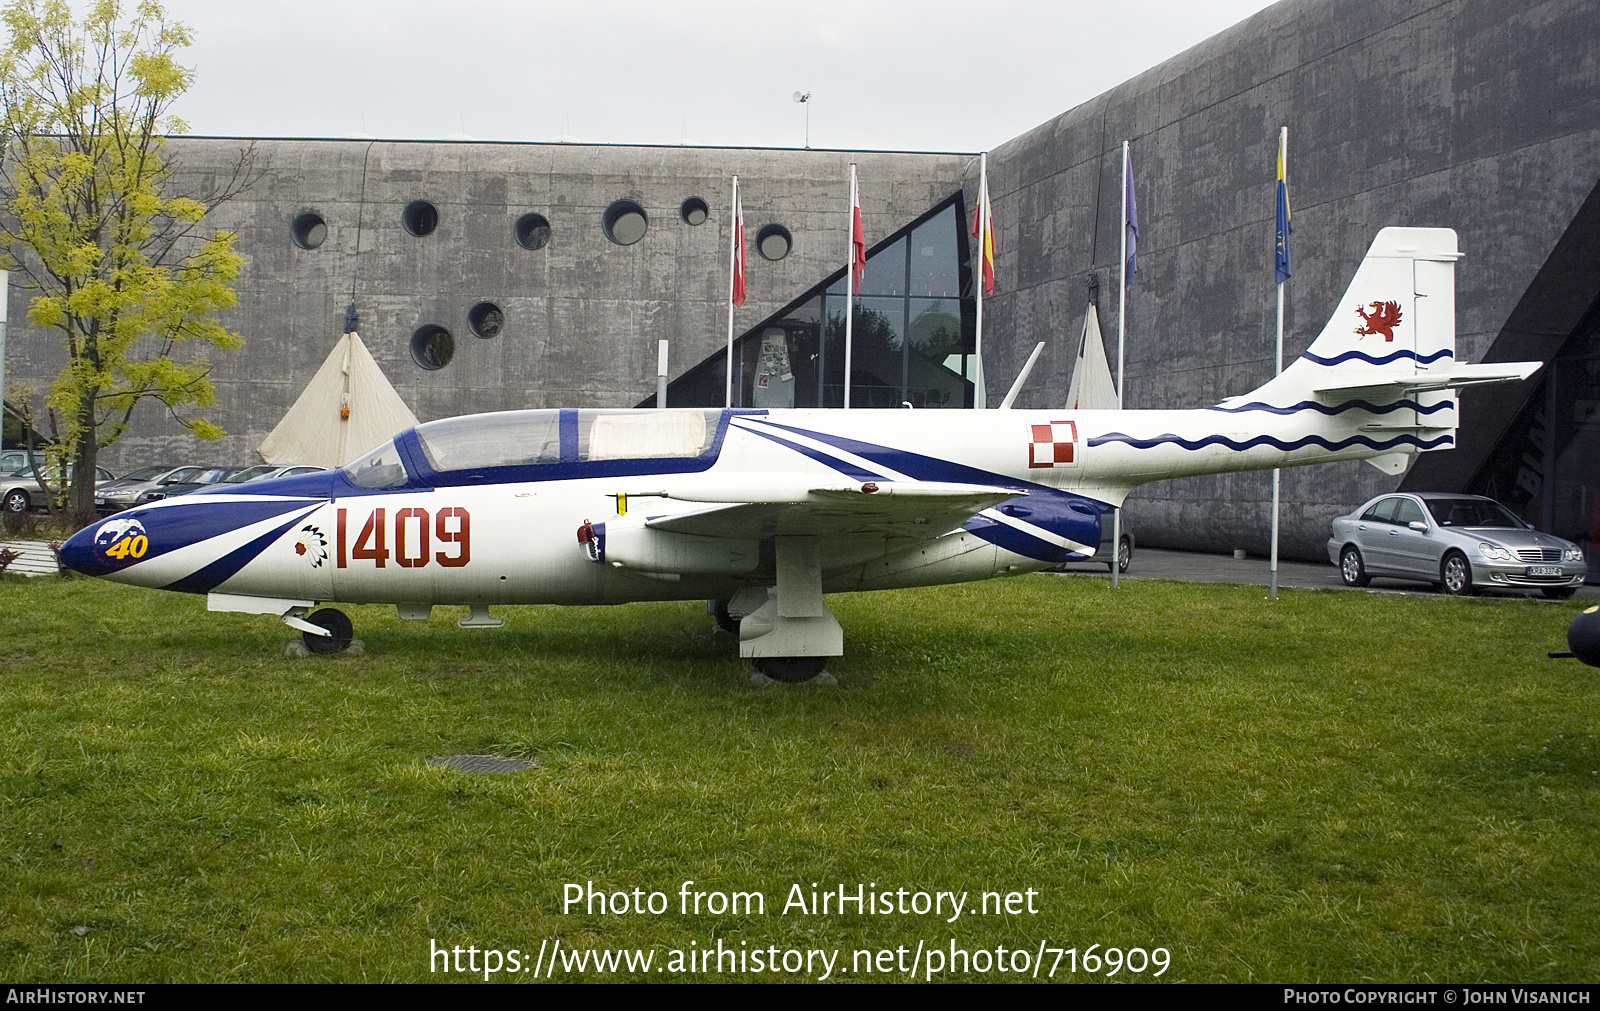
(1336, 787)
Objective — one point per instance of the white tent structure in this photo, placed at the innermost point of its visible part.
(1091, 388)
(348, 408)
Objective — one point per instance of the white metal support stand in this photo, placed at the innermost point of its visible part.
(850, 286)
(980, 391)
(1122, 333)
(1272, 578)
(733, 252)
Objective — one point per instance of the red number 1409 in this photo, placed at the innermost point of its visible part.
(413, 537)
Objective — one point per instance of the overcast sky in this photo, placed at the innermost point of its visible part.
(926, 76)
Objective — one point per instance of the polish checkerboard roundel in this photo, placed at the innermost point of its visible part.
(1053, 444)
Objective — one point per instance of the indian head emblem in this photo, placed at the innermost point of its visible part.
(1383, 318)
(312, 546)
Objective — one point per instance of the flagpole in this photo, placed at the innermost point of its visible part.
(1122, 331)
(733, 253)
(849, 286)
(980, 392)
(1272, 579)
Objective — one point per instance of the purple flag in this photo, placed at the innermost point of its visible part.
(1132, 223)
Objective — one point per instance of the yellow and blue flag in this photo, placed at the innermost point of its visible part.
(1284, 227)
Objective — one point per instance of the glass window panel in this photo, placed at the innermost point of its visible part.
(638, 435)
(1408, 512)
(516, 438)
(877, 358)
(832, 358)
(886, 271)
(934, 268)
(939, 355)
(380, 468)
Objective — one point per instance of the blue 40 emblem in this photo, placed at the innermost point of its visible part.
(414, 536)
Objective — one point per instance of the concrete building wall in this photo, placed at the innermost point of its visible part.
(1470, 114)
(582, 314)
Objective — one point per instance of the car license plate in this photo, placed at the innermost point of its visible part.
(1544, 570)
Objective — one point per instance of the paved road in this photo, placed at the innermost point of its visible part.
(1193, 567)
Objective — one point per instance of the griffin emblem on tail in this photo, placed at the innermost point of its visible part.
(1383, 318)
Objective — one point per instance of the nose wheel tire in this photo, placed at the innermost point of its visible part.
(1351, 568)
(725, 621)
(1455, 575)
(338, 625)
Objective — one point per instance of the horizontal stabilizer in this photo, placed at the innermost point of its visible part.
(1386, 385)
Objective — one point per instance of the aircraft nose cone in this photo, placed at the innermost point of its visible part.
(78, 553)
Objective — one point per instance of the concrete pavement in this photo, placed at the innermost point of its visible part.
(1194, 567)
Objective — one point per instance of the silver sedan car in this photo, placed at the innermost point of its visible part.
(1462, 543)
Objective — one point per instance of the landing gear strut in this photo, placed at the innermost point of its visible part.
(792, 634)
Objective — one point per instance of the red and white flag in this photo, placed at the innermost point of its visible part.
(858, 234)
(738, 246)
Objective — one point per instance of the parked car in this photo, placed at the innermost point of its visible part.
(1462, 543)
(265, 472)
(125, 491)
(171, 487)
(22, 493)
(12, 460)
(1103, 554)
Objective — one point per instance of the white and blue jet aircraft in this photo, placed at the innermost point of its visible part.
(765, 511)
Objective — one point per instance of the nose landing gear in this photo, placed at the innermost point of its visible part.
(325, 631)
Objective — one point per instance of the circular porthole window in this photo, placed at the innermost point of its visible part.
(625, 222)
(532, 231)
(420, 217)
(694, 211)
(308, 230)
(486, 319)
(432, 347)
(773, 242)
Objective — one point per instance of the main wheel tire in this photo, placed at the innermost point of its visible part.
(725, 621)
(338, 625)
(1124, 555)
(17, 502)
(1351, 568)
(1455, 575)
(1559, 592)
(791, 669)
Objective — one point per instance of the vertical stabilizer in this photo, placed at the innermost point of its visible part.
(1383, 371)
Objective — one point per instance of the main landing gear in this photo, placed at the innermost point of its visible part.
(786, 630)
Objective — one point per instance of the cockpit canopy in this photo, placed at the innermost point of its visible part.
(537, 438)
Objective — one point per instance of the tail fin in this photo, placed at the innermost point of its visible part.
(1389, 347)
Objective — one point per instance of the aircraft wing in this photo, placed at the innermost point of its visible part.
(884, 508)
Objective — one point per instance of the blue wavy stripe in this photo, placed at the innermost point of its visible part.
(1361, 356)
(1350, 405)
(209, 577)
(1267, 440)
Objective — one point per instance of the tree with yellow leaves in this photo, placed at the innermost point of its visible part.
(120, 268)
